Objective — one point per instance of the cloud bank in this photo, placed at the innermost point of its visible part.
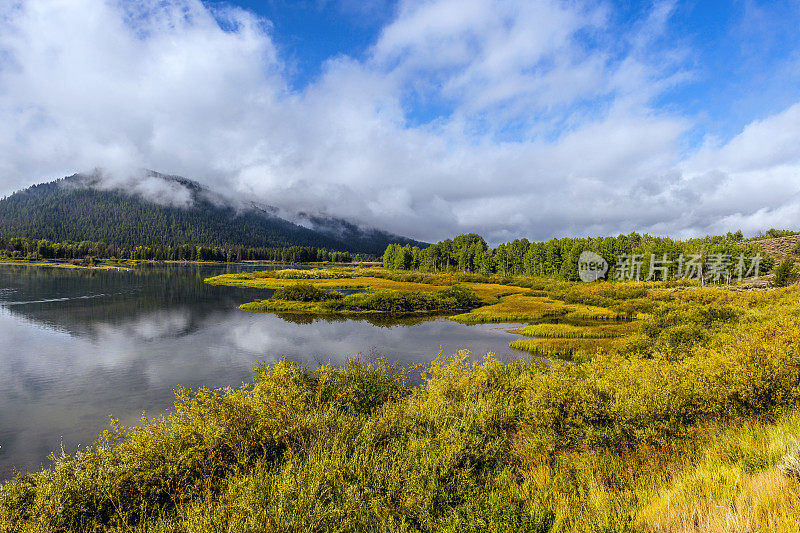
(510, 118)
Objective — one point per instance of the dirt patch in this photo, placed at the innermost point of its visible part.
(779, 247)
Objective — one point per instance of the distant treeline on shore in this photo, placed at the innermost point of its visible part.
(38, 249)
(559, 257)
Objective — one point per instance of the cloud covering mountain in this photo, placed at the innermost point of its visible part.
(509, 118)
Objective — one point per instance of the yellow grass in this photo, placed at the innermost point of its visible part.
(516, 308)
(589, 312)
(488, 292)
(569, 331)
(361, 282)
(566, 348)
(521, 307)
(765, 502)
(735, 487)
(491, 291)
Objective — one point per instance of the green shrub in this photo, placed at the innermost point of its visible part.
(785, 273)
(674, 328)
(456, 297)
(305, 292)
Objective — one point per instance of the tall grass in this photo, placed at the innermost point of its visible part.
(570, 349)
(571, 331)
(735, 485)
(515, 308)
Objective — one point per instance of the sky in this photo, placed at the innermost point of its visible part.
(427, 118)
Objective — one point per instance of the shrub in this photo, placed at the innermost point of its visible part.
(674, 328)
(399, 302)
(464, 297)
(785, 274)
(305, 292)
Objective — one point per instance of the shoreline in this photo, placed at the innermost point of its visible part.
(127, 264)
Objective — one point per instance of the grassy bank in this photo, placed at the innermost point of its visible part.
(116, 264)
(690, 439)
(67, 264)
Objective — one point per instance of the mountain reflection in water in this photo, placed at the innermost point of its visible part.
(78, 346)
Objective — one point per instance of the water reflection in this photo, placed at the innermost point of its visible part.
(78, 346)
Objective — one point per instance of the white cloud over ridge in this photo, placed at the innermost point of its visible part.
(551, 127)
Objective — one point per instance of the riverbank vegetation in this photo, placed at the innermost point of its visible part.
(689, 429)
(94, 265)
(24, 249)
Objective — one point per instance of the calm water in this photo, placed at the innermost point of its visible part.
(79, 345)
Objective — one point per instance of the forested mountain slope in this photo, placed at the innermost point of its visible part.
(78, 208)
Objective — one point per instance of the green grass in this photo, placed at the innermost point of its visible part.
(575, 349)
(570, 331)
(572, 342)
(515, 308)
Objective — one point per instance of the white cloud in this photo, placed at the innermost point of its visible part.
(545, 134)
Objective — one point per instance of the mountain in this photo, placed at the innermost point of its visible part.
(354, 235)
(159, 209)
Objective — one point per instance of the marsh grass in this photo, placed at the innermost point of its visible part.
(521, 307)
(515, 308)
(358, 282)
(571, 349)
(506, 299)
(571, 331)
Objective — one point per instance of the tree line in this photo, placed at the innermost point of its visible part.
(37, 249)
(559, 257)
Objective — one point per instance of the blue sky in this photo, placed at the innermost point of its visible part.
(308, 32)
(511, 118)
(742, 56)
